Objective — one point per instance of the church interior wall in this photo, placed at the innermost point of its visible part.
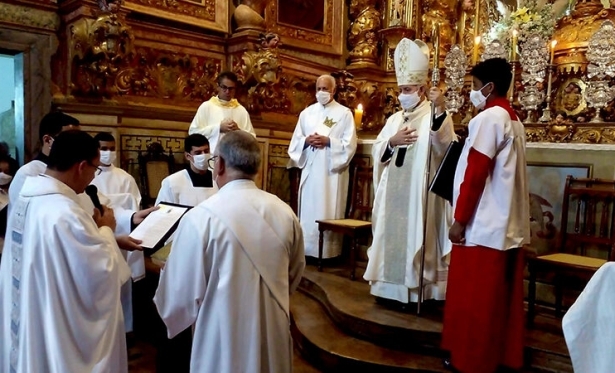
(140, 71)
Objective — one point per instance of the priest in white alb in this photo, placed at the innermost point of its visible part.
(588, 325)
(400, 155)
(61, 272)
(222, 113)
(194, 184)
(322, 146)
(233, 264)
(122, 190)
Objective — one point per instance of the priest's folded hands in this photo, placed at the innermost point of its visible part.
(405, 136)
(317, 141)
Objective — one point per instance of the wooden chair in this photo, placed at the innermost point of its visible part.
(357, 224)
(154, 166)
(588, 222)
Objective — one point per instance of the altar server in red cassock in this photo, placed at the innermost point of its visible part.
(483, 318)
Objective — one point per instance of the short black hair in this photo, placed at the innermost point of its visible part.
(496, 71)
(104, 136)
(195, 140)
(12, 162)
(72, 147)
(228, 75)
(52, 124)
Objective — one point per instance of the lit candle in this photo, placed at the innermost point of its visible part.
(513, 49)
(358, 116)
(476, 45)
(553, 43)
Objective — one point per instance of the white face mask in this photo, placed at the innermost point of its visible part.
(409, 100)
(199, 161)
(5, 179)
(323, 97)
(478, 99)
(107, 157)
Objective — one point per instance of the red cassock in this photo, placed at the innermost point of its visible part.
(483, 317)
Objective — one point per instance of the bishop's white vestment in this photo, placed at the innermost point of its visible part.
(60, 281)
(234, 285)
(323, 189)
(588, 325)
(178, 188)
(122, 190)
(397, 218)
(212, 112)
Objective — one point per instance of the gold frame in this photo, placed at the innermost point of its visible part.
(330, 41)
(559, 105)
(220, 23)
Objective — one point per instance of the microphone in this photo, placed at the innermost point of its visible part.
(92, 192)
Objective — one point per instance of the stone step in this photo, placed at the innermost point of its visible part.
(327, 347)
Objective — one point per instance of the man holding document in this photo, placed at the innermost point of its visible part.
(235, 287)
(60, 279)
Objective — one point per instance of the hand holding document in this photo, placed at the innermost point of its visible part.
(158, 225)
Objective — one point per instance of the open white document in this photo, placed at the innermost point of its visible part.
(157, 224)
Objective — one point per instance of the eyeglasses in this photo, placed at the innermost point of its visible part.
(225, 88)
(98, 169)
(212, 161)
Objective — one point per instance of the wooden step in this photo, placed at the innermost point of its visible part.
(327, 347)
(354, 310)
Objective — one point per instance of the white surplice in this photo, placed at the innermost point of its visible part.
(589, 325)
(212, 112)
(122, 190)
(177, 188)
(60, 281)
(233, 264)
(32, 168)
(323, 189)
(397, 216)
(502, 217)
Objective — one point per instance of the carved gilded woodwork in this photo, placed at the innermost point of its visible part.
(249, 15)
(98, 49)
(210, 14)
(363, 32)
(443, 13)
(329, 38)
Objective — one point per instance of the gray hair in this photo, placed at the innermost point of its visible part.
(240, 151)
(329, 78)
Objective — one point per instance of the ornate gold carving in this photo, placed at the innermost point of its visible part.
(443, 13)
(574, 31)
(210, 14)
(99, 48)
(329, 40)
(362, 36)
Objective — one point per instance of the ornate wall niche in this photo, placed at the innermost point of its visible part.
(210, 14)
(325, 36)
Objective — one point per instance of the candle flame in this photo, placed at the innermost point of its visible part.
(360, 107)
(553, 43)
(477, 40)
(515, 33)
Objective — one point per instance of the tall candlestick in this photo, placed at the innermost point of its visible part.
(475, 54)
(358, 116)
(553, 44)
(513, 48)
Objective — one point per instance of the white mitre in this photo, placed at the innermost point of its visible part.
(411, 62)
